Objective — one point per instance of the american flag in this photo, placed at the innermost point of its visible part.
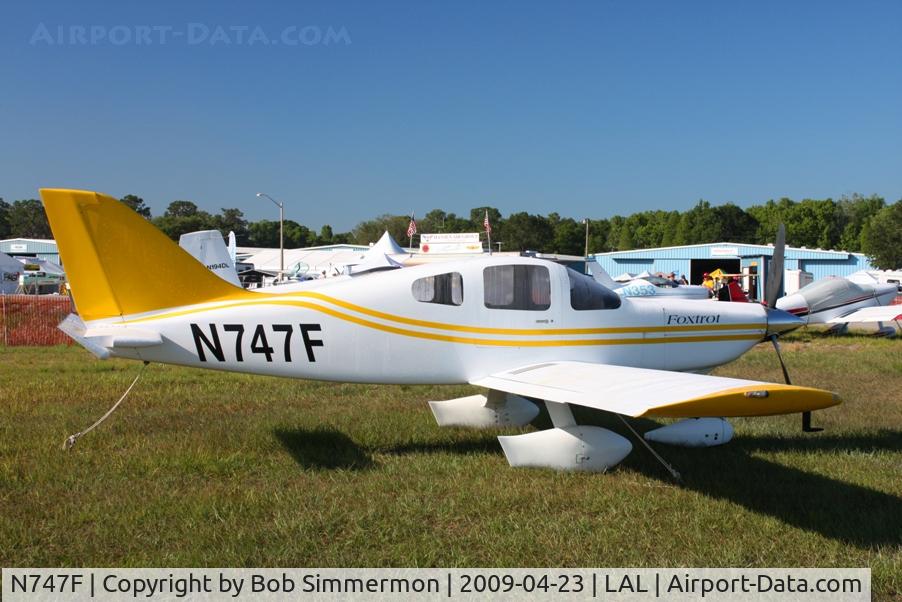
(486, 224)
(412, 228)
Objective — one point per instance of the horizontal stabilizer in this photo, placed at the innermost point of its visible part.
(101, 340)
(124, 336)
(75, 328)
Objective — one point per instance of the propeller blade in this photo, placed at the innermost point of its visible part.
(775, 273)
(773, 339)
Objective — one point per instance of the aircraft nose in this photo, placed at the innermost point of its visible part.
(793, 303)
(779, 321)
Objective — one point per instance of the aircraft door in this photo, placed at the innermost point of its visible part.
(521, 297)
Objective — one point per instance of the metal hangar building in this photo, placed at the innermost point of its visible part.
(733, 258)
(31, 247)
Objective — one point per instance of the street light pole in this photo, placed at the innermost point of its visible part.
(586, 221)
(281, 207)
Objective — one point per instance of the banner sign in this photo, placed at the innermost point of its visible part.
(435, 244)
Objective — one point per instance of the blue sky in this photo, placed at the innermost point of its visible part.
(584, 108)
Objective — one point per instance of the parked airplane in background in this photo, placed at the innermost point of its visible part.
(521, 327)
(841, 301)
(209, 248)
(650, 286)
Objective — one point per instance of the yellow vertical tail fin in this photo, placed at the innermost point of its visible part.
(119, 264)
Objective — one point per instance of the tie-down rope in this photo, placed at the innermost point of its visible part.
(70, 441)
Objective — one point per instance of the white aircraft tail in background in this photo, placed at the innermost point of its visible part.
(233, 248)
(208, 247)
(646, 287)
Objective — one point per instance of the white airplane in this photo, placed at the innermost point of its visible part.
(840, 301)
(650, 286)
(520, 327)
(209, 248)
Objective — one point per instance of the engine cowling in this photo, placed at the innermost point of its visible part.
(693, 432)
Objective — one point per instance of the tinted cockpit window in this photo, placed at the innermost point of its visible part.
(444, 289)
(587, 293)
(524, 287)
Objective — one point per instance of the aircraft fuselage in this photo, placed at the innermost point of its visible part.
(378, 328)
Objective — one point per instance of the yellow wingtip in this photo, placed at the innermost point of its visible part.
(764, 399)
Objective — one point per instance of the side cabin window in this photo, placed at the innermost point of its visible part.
(524, 287)
(444, 289)
(587, 293)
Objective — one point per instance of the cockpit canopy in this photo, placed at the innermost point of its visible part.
(831, 292)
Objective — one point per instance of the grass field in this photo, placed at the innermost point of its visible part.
(207, 469)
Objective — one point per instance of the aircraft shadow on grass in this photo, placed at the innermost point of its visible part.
(836, 509)
(324, 448)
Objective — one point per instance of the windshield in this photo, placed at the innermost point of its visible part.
(586, 293)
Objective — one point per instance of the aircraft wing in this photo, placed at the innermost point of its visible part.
(643, 392)
(883, 313)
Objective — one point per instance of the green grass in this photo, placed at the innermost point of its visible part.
(200, 468)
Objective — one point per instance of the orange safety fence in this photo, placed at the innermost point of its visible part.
(32, 319)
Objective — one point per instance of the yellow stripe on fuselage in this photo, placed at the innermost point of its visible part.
(509, 342)
(488, 331)
(522, 331)
(289, 299)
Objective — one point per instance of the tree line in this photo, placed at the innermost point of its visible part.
(854, 223)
